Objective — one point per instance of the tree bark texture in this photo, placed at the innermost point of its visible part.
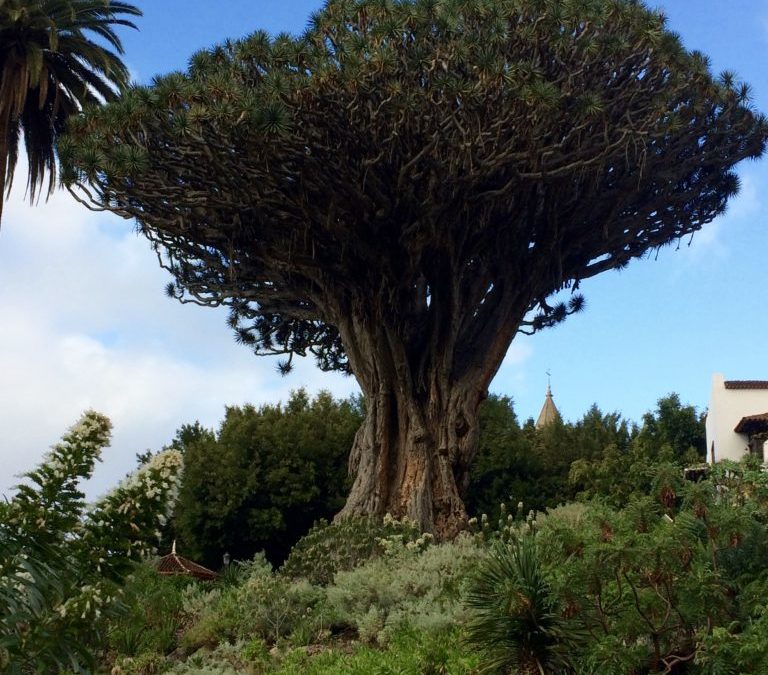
(412, 454)
(3, 165)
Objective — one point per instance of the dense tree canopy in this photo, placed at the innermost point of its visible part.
(264, 477)
(50, 68)
(600, 455)
(403, 188)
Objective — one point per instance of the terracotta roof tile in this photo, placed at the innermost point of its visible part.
(752, 423)
(173, 564)
(746, 384)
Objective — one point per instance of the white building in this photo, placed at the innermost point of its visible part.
(737, 421)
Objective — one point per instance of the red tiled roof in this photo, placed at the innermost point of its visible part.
(746, 384)
(752, 423)
(173, 564)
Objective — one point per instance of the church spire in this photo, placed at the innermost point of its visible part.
(549, 412)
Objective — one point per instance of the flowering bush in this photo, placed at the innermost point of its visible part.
(62, 565)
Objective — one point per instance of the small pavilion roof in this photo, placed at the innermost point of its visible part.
(174, 565)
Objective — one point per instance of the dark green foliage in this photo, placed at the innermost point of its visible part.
(269, 473)
(264, 478)
(665, 581)
(677, 426)
(670, 438)
(50, 69)
(517, 622)
(148, 616)
(598, 455)
(396, 150)
(659, 586)
(545, 467)
(505, 468)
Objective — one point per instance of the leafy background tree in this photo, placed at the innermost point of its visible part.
(406, 186)
(599, 454)
(264, 477)
(56, 58)
(261, 480)
(673, 436)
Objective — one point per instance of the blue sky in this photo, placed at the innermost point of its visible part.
(86, 324)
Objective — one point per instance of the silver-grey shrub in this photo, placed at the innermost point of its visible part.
(421, 589)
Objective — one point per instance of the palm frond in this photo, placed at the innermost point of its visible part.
(56, 57)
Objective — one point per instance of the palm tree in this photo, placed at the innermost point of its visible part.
(50, 68)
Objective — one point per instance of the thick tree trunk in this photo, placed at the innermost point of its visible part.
(2, 196)
(412, 454)
(3, 165)
(411, 462)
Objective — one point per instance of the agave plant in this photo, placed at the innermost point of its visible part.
(50, 69)
(516, 625)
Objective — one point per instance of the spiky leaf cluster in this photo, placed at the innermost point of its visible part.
(436, 167)
(56, 57)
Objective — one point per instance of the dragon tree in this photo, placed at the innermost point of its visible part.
(408, 185)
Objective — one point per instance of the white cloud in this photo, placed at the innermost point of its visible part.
(85, 324)
(519, 352)
(512, 374)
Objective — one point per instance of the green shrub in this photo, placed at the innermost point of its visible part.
(265, 605)
(148, 663)
(276, 606)
(255, 651)
(196, 599)
(219, 623)
(408, 653)
(151, 612)
(677, 576)
(205, 667)
(227, 658)
(328, 549)
(222, 613)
